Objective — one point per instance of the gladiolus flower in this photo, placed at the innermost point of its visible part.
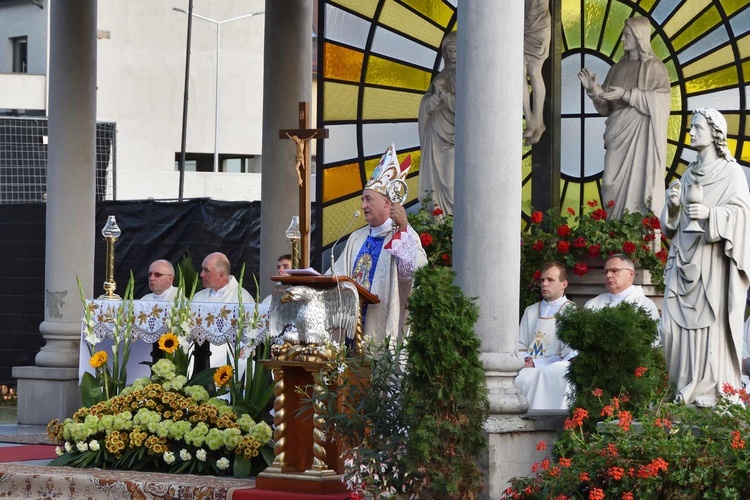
(223, 375)
(169, 342)
(98, 359)
(537, 217)
(426, 239)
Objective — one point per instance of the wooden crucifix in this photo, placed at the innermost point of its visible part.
(301, 137)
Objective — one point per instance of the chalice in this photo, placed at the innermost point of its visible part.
(694, 194)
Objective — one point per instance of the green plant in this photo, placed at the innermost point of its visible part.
(616, 356)
(670, 452)
(160, 424)
(361, 402)
(445, 392)
(435, 230)
(576, 239)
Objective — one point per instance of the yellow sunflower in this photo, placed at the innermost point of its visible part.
(169, 342)
(98, 359)
(223, 375)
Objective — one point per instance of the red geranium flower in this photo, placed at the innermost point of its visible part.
(563, 230)
(599, 214)
(538, 245)
(537, 275)
(563, 246)
(628, 247)
(640, 371)
(592, 203)
(662, 256)
(437, 211)
(655, 223)
(426, 239)
(580, 269)
(579, 242)
(446, 258)
(536, 217)
(594, 250)
(571, 211)
(610, 203)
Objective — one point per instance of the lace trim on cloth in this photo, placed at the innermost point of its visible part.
(405, 247)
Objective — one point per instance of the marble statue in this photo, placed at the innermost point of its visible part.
(707, 215)
(635, 98)
(537, 33)
(437, 117)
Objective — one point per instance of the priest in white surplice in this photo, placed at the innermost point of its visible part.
(381, 259)
(219, 284)
(542, 379)
(619, 272)
(160, 278)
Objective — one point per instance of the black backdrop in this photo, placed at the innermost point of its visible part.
(150, 230)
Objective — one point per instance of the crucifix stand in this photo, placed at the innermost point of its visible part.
(301, 137)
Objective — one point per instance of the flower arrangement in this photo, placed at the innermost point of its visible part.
(670, 452)
(161, 424)
(111, 378)
(576, 239)
(435, 229)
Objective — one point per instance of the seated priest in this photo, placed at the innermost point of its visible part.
(160, 279)
(218, 284)
(380, 258)
(542, 379)
(619, 272)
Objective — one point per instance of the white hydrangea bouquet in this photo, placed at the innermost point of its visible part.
(161, 424)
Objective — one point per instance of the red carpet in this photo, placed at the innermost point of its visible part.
(28, 452)
(253, 494)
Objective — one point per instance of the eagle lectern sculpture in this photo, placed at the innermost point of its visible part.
(306, 319)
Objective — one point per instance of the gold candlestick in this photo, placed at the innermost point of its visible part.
(110, 232)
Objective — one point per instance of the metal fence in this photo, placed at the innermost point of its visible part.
(23, 160)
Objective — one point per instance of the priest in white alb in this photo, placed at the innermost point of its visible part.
(381, 258)
(547, 358)
(619, 273)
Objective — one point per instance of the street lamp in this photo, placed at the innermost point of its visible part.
(216, 82)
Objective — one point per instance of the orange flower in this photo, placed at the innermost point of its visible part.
(169, 342)
(596, 494)
(223, 375)
(628, 495)
(545, 464)
(597, 393)
(571, 211)
(737, 441)
(98, 359)
(541, 446)
(592, 203)
(616, 473)
(625, 419)
(663, 422)
(583, 477)
(608, 411)
(640, 371)
(565, 462)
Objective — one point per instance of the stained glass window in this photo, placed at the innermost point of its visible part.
(378, 57)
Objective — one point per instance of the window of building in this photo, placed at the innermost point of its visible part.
(20, 54)
(204, 162)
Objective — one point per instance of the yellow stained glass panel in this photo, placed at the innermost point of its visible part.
(571, 22)
(336, 217)
(733, 123)
(647, 5)
(745, 154)
(684, 16)
(341, 181)
(708, 21)
(342, 63)
(416, 161)
(572, 195)
(592, 22)
(674, 129)
(526, 198)
(720, 57)
(382, 104)
(613, 28)
(732, 145)
(744, 45)
(731, 6)
(716, 80)
(413, 184)
(671, 71)
(436, 10)
(676, 100)
(364, 7)
(525, 166)
(392, 74)
(402, 19)
(660, 48)
(671, 152)
(681, 167)
(339, 101)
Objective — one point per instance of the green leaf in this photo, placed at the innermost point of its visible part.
(205, 377)
(242, 466)
(90, 390)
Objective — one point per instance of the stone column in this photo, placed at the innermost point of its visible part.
(50, 389)
(487, 218)
(287, 81)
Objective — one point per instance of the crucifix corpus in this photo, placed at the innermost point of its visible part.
(301, 137)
